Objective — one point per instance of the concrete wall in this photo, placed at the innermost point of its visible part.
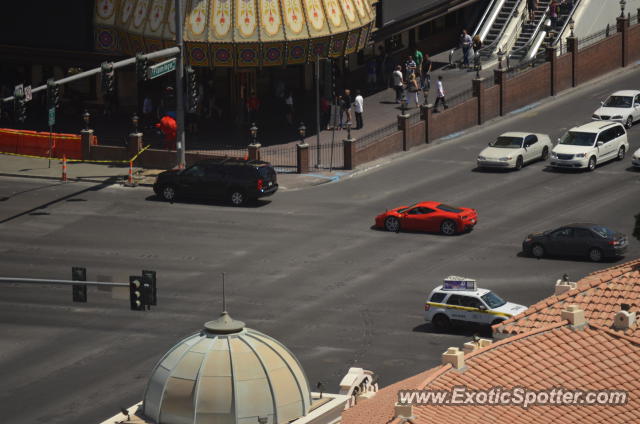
(454, 119)
(599, 58)
(563, 72)
(527, 87)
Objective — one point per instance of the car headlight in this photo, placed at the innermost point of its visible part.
(595, 116)
(580, 155)
(506, 158)
(554, 155)
(481, 158)
(617, 117)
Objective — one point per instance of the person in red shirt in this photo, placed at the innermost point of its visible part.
(168, 127)
(253, 106)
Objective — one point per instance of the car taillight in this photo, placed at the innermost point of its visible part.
(426, 306)
(260, 182)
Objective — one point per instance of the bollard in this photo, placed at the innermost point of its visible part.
(64, 167)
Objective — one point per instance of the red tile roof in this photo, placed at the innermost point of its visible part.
(557, 355)
(599, 294)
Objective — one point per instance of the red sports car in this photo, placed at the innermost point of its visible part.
(428, 216)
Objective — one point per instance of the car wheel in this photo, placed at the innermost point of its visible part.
(392, 224)
(448, 227)
(629, 122)
(621, 153)
(537, 251)
(441, 322)
(545, 154)
(168, 193)
(519, 163)
(237, 198)
(595, 254)
(592, 164)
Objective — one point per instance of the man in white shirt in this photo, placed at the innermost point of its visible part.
(358, 106)
(398, 83)
(440, 95)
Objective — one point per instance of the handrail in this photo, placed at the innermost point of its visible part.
(576, 3)
(490, 21)
(484, 15)
(536, 31)
(491, 47)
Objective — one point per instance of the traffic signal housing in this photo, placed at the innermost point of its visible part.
(149, 287)
(136, 293)
(142, 67)
(20, 107)
(108, 77)
(79, 291)
(53, 94)
(192, 89)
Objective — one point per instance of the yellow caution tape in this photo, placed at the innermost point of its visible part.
(80, 160)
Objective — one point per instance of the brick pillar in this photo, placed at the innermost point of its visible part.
(552, 58)
(86, 137)
(349, 146)
(623, 27)
(426, 113)
(572, 46)
(135, 144)
(478, 93)
(500, 76)
(302, 158)
(403, 125)
(254, 151)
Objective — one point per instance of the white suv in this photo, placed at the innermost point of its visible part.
(590, 144)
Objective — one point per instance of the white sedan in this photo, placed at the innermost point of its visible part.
(621, 106)
(514, 149)
(635, 160)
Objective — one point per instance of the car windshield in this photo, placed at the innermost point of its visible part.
(508, 142)
(448, 208)
(618, 101)
(403, 210)
(573, 138)
(493, 300)
(603, 232)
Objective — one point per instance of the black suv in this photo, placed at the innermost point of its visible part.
(237, 180)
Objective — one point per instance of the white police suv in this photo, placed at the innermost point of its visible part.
(458, 299)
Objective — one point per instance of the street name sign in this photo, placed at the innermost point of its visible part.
(162, 68)
(27, 93)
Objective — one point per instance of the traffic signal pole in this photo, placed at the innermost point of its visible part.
(180, 138)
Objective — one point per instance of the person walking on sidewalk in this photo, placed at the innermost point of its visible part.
(440, 96)
(348, 104)
(358, 106)
(414, 88)
(398, 83)
(465, 41)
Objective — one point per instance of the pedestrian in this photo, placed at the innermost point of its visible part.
(341, 111)
(440, 95)
(532, 5)
(358, 106)
(553, 13)
(414, 87)
(409, 67)
(418, 58)
(426, 73)
(168, 127)
(253, 107)
(398, 83)
(465, 41)
(372, 73)
(288, 103)
(477, 45)
(348, 102)
(325, 112)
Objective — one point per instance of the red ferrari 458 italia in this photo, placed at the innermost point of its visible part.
(428, 216)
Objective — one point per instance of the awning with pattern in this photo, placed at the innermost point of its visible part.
(242, 33)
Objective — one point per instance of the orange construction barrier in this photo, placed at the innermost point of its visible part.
(64, 168)
(44, 144)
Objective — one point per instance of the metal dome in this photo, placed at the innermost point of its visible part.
(227, 374)
(227, 33)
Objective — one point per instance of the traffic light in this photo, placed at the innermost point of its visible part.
(192, 89)
(136, 293)
(142, 67)
(53, 94)
(149, 286)
(108, 77)
(79, 291)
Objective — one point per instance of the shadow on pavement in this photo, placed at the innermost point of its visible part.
(251, 204)
(467, 330)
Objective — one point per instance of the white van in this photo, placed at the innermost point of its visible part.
(589, 145)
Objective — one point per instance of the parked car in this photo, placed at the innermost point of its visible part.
(621, 106)
(593, 241)
(236, 180)
(514, 149)
(590, 144)
(428, 216)
(635, 160)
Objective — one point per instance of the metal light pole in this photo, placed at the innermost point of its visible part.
(318, 129)
(180, 139)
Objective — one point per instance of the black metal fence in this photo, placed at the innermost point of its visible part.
(461, 97)
(375, 136)
(596, 36)
(282, 158)
(517, 68)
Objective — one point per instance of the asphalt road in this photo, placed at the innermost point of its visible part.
(304, 267)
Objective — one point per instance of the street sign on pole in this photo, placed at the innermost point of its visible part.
(162, 68)
(52, 116)
(27, 93)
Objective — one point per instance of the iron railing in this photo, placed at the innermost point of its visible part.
(331, 155)
(221, 150)
(596, 37)
(459, 98)
(523, 66)
(375, 136)
(283, 158)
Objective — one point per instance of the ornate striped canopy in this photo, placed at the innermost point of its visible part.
(243, 33)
